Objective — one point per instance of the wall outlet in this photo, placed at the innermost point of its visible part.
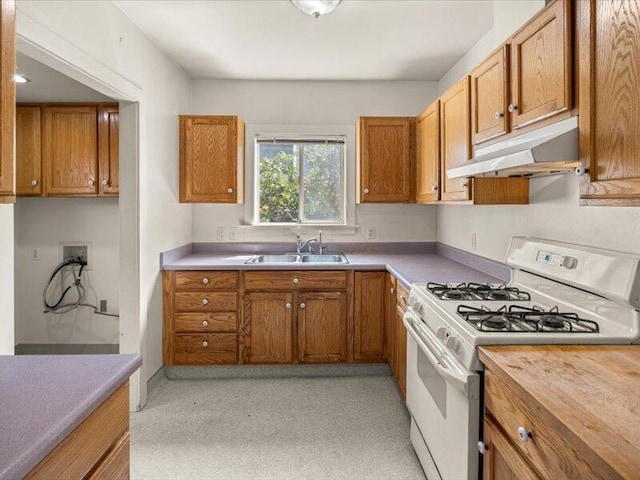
(233, 233)
(35, 255)
(473, 242)
(222, 234)
(103, 306)
(371, 233)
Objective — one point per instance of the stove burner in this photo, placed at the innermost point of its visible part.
(499, 322)
(498, 295)
(551, 321)
(453, 294)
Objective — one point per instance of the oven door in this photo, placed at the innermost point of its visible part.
(443, 399)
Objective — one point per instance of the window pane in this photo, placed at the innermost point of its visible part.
(278, 183)
(322, 182)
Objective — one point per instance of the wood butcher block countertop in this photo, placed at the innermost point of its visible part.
(591, 393)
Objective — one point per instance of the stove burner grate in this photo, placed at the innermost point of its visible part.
(477, 291)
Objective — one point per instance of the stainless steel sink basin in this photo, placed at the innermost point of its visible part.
(299, 258)
(337, 258)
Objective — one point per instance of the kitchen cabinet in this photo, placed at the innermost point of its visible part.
(108, 150)
(369, 316)
(390, 320)
(455, 140)
(268, 327)
(322, 327)
(501, 460)
(609, 49)
(489, 97)
(7, 100)
(541, 66)
(428, 154)
(211, 159)
(201, 314)
(28, 150)
(386, 164)
(402, 298)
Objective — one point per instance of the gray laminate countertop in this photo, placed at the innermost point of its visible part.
(43, 398)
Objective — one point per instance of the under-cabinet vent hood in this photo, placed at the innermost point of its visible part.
(545, 151)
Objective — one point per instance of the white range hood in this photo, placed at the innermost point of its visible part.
(545, 151)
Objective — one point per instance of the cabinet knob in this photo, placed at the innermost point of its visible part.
(34, 183)
(393, 290)
(434, 188)
(91, 183)
(205, 280)
(295, 280)
(499, 115)
(287, 305)
(366, 190)
(465, 184)
(205, 344)
(524, 434)
(512, 107)
(205, 301)
(105, 182)
(229, 190)
(205, 323)
(482, 448)
(404, 299)
(302, 305)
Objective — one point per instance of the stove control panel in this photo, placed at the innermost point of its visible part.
(557, 260)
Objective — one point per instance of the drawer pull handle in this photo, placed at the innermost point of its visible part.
(205, 344)
(404, 299)
(482, 448)
(287, 305)
(205, 323)
(302, 305)
(205, 301)
(295, 280)
(205, 280)
(524, 434)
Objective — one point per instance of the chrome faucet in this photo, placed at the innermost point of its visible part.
(301, 245)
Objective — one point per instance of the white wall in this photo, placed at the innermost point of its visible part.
(7, 331)
(108, 39)
(314, 103)
(554, 210)
(42, 223)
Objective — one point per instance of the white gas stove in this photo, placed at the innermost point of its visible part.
(559, 294)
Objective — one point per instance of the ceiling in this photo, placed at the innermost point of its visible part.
(272, 40)
(49, 85)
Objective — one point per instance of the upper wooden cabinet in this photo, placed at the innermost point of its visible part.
(428, 154)
(108, 154)
(489, 94)
(7, 99)
(386, 147)
(28, 150)
(211, 159)
(455, 139)
(369, 316)
(609, 82)
(541, 66)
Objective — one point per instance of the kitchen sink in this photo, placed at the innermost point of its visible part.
(299, 258)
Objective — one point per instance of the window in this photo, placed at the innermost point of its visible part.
(300, 181)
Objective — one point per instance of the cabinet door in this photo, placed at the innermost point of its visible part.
(268, 321)
(7, 99)
(108, 146)
(502, 461)
(70, 150)
(428, 154)
(28, 151)
(386, 147)
(609, 102)
(455, 140)
(541, 66)
(210, 159)
(368, 340)
(489, 94)
(390, 318)
(322, 327)
(401, 352)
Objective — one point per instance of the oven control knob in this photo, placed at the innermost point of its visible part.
(412, 300)
(418, 308)
(441, 333)
(452, 343)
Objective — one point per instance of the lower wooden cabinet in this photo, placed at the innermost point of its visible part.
(401, 352)
(268, 333)
(369, 316)
(322, 327)
(501, 461)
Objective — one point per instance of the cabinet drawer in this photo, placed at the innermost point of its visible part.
(206, 348)
(402, 297)
(116, 464)
(205, 301)
(206, 322)
(206, 280)
(546, 449)
(300, 280)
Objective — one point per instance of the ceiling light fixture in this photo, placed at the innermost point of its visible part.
(20, 78)
(315, 8)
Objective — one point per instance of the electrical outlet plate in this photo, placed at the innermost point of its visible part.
(233, 234)
(77, 249)
(473, 242)
(221, 233)
(371, 233)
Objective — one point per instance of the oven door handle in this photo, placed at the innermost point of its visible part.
(447, 367)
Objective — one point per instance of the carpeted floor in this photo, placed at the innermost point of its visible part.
(296, 428)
